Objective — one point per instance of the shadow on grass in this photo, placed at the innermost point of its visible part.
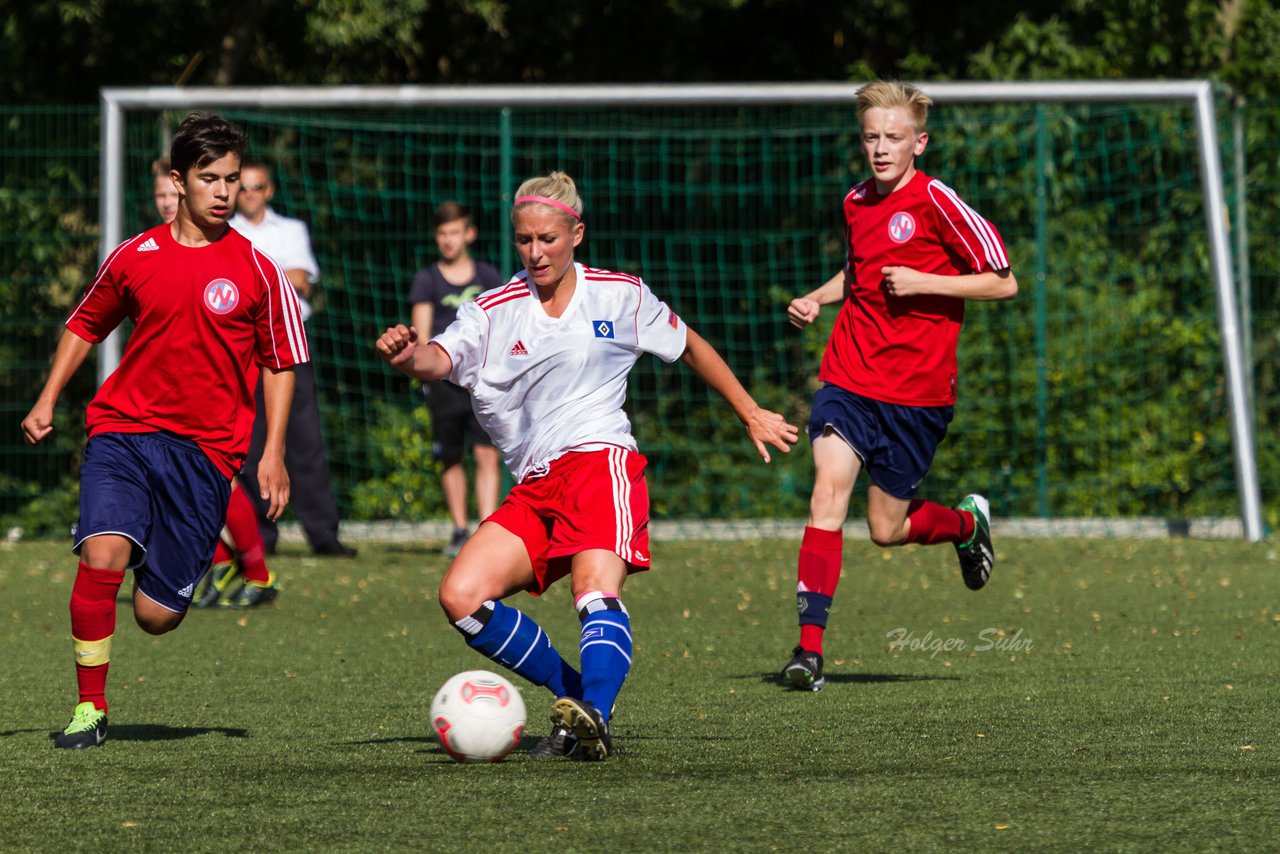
(406, 739)
(773, 678)
(160, 732)
(425, 548)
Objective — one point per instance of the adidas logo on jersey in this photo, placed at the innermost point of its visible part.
(518, 350)
(185, 593)
(149, 246)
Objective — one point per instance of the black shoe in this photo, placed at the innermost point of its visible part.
(215, 585)
(587, 724)
(977, 556)
(88, 728)
(561, 742)
(804, 670)
(460, 536)
(335, 549)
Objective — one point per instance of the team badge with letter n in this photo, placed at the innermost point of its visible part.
(221, 296)
(902, 226)
(604, 328)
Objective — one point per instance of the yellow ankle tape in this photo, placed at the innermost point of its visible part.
(92, 653)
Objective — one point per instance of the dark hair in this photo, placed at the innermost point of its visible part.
(203, 138)
(452, 212)
(255, 163)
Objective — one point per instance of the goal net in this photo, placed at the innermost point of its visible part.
(1110, 390)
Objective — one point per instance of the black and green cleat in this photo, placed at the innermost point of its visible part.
(215, 586)
(254, 593)
(804, 670)
(977, 556)
(88, 728)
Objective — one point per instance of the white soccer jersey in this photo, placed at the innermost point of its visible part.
(544, 386)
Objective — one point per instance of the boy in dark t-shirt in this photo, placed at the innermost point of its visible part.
(437, 292)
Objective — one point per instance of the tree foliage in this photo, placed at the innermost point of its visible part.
(63, 51)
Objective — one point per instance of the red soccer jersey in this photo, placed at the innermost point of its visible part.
(902, 350)
(204, 319)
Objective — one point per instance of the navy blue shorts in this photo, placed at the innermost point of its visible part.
(895, 443)
(165, 495)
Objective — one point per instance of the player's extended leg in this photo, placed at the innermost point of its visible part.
(895, 521)
(103, 559)
(605, 649)
(491, 566)
(836, 468)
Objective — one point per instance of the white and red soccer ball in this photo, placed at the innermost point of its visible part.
(478, 716)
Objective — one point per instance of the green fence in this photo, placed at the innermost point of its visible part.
(1098, 393)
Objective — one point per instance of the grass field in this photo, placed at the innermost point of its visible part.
(1133, 706)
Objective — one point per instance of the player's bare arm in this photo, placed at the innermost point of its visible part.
(763, 426)
(804, 310)
(400, 348)
(70, 355)
(273, 479)
(978, 287)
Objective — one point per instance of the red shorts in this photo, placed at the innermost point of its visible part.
(588, 500)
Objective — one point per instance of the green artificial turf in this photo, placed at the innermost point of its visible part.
(1133, 706)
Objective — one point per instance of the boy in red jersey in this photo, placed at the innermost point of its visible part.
(207, 311)
(240, 538)
(916, 253)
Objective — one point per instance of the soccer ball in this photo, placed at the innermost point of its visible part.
(478, 716)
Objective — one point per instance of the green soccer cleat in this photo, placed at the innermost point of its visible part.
(254, 593)
(977, 556)
(214, 587)
(587, 724)
(88, 728)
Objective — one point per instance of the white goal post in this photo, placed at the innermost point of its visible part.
(1197, 93)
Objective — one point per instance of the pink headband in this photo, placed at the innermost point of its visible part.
(543, 200)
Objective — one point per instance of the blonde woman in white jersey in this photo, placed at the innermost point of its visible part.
(546, 358)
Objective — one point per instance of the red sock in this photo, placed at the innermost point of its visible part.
(222, 553)
(818, 572)
(93, 618)
(932, 523)
(242, 522)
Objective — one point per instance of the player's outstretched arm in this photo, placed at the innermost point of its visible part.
(400, 348)
(67, 359)
(804, 310)
(979, 287)
(273, 479)
(763, 426)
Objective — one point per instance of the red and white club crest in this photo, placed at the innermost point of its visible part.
(901, 227)
(221, 296)
(472, 690)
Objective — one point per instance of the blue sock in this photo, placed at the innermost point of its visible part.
(515, 641)
(605, 649)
